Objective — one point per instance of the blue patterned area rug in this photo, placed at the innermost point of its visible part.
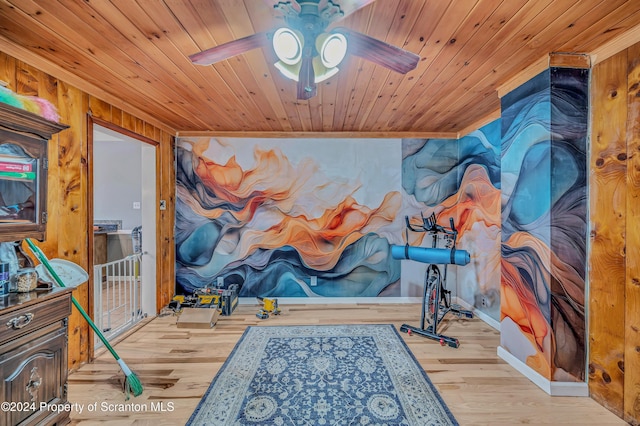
(321, 375)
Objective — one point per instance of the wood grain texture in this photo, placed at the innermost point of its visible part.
(69, 197)
(135, 55)
(176, 366)
(632, 236)
(608, 190)
(72, 199)
(100, 109)
(165, 233)
(569, 60)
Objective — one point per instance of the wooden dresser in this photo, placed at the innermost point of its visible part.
(33, 357)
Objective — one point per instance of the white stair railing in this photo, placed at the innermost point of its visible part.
(117, 289)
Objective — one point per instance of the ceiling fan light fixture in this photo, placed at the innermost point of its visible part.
(332, 48)
(287, 43)
(289, 71)
(321, 72)
(305, 52)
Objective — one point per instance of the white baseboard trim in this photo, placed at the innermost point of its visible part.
(363, 300)
(484, 317)
(550, 387)
(332, 300)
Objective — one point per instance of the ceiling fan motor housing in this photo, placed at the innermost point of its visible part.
(310, 20)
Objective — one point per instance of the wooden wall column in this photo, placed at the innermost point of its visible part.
(632, 267)
(614, 262)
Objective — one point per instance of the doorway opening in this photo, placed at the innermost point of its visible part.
(123, 266)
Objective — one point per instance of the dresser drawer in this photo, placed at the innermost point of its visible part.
(35, 372)
(32, 317)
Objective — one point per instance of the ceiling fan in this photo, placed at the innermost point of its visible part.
(307, 52)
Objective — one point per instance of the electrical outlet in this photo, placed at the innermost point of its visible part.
(313, 281)
(220, 281)
(484, 301)
(136, 205)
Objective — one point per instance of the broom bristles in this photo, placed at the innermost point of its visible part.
(132, 385)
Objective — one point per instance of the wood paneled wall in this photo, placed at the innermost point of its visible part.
(632, 281)
(614, 265)
(69, 225)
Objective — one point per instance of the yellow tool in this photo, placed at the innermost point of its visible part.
(197, 300)
(209, 300)
(269, 306)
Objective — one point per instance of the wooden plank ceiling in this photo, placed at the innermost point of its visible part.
(135, 54)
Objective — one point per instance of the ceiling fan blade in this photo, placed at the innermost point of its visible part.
(379, 52)
(306, 79)
(230, 49)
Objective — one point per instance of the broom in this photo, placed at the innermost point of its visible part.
(132, 384)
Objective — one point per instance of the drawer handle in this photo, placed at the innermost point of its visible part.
(19, 322)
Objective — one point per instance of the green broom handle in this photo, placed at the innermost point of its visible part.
(43, 259)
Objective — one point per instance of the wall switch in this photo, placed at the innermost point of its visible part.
(136, 205)
(313, 281)
(220, 281)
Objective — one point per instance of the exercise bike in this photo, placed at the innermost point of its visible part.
(436, 300)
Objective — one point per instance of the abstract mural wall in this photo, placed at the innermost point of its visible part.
(460, 180)
(289, 218)
(544, 136)
(313, 218)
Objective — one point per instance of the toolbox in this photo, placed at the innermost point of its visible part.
(229, 300)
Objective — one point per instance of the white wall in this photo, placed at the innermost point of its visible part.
(124, 174)
(117, 179)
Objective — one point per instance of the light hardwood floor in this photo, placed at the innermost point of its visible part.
(176, 366)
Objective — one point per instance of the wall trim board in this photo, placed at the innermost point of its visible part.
(569, 60)
(578, 389)
(116, 128)
(328, 135)
(554, 59)
(523, 76)
(480, 123)
(615, 46)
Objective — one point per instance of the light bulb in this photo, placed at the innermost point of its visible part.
(332, 49)
(288, 45)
